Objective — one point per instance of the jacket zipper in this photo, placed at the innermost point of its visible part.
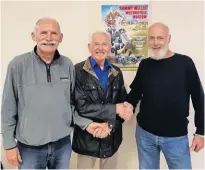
(48, 70)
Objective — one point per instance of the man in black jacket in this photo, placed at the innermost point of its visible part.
(100, 96)
(164, 83)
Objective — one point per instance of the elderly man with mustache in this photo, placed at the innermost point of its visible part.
(37, 106)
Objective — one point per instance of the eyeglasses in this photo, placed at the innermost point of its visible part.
(98, 45)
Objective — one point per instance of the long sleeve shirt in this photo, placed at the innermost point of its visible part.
(164, 88)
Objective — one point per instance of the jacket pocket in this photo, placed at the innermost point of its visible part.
(64, 88)
(22, 122)
(84, 142)
(117, 135)
(92, 92)
(115, 90)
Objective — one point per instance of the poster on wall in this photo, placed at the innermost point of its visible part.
(128, 26)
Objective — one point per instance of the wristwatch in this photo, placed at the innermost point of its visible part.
(111, 126)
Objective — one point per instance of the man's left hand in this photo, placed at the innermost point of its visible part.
(197, 143)
(102, 132)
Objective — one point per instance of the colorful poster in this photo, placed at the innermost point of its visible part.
(127, 25)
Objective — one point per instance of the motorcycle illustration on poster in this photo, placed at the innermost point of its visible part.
(127, 25)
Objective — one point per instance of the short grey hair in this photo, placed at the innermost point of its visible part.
(45, 18)
(100, 32)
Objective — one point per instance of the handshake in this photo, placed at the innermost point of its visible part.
(124, 110)
(102, 130)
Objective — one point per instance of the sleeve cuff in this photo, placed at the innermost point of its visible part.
(199, 135)
(86, 124)
(9, 144)
(199, 131)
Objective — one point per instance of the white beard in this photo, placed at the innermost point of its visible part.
(160, 54)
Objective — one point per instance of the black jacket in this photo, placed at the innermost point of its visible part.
(94, 103)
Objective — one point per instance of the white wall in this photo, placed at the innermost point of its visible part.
(78, 19)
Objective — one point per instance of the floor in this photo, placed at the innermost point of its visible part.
(127, 156)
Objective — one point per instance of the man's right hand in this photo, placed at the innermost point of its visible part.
(92, 126)
(13, 156)
(124, 110)
(102, 132)
(99, 130)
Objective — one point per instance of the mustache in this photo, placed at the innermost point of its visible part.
(48, 42)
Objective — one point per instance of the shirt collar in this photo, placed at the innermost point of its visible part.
(56, 55)
(93, 63)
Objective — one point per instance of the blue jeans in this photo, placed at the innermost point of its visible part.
(175, 150)
(54, 155)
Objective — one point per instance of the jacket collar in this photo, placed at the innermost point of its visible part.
(87, 67)
(56, 55)
(93, 63)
